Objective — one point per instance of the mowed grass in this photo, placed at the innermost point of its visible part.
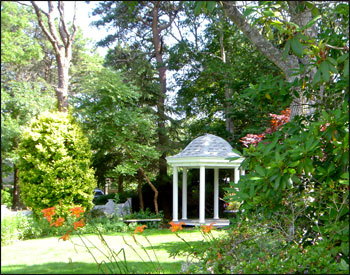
(53, 256)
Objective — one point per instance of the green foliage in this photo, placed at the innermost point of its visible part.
(21, 227)
(20, 102)
(147, 214)
(120, 131)
(252, 246)
(54, 166)
(18, 47)
(6, 198)
(211, 81)
(298, 178)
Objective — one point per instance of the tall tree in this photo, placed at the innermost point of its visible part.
(148, 21)
(120, 131)
(24, 92)
(62, 45)
(217, 71)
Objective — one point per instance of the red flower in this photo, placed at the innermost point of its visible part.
(207, 228)
(65, 237)
(48, 213)
(140, 229)
(324, 127)
(58, 222)
(76, 211)
(79, 224)
(276, 122)
(176, 226)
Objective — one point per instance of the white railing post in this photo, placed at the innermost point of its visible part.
(216, 193)
(184, 194)
(202, 195)
(175, 195)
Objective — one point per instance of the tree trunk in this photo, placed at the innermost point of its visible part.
(142, 172)
(162, 137)
(120, 184)
(155, 200)
(139, 191)
(63, 81)
(15, 199)
(228, 91)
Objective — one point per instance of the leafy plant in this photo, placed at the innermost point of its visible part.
(146, 214)
(298, 180)
(54, 166)
(6, 197)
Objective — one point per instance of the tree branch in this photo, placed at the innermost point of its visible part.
(51, 37)
(165, 26)
(259, 41)
(51, 21)
(63, 27)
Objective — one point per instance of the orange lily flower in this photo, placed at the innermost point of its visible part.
(207, 228)
(49, 218)
(79, 224)
(77, 210)
(176, 226)
(140, 229)
(219, 257)
(48, 212)
(65, 237)
(58, 222)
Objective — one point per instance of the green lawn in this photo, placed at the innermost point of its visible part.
(48, 255)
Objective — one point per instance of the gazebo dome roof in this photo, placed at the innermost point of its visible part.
(207, 146)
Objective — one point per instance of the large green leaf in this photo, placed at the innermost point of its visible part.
(277, 183)
(317, 77)
(260, 170)
(311, 22)
(297, 48)
(286, 49)
(324, 67)
(211, 5)
(346, 69)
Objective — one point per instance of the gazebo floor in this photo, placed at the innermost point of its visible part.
(217, 223)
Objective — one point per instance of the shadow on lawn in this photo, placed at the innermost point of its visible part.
(176, 246)
(87, 268)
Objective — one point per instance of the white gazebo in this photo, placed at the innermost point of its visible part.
(205, 152)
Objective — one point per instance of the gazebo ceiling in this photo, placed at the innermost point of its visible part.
(207, 150)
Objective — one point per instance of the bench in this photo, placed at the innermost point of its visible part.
(143, 220)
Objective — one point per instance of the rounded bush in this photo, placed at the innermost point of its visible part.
(54, 165)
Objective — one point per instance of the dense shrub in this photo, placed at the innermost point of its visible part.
(21, 227)
(147, 214)
(6, 198)
(251, 247)
(298, 181)
(54, 166)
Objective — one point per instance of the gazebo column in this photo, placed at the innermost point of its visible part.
(184, 194)
(236, 174)
(216, 193)
(175, 194)
(202, 195)
(242, 172)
